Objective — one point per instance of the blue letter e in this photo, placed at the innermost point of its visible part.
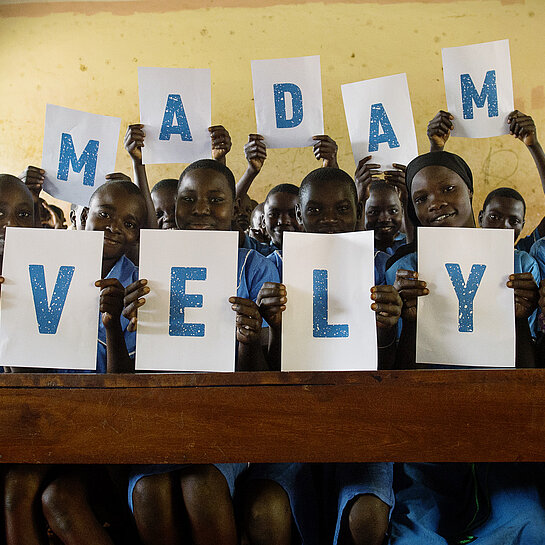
(321, 328)
(280, 90)
(465, 293)
(49, 315)
(470, 94)
(88, 159)
(175, 109)
(180, 300)
(378, 119)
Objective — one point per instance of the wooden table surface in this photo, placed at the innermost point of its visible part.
(432, 415)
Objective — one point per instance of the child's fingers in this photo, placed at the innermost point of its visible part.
(132, 324)
(129, 311)
(255, 137)
(413, 293)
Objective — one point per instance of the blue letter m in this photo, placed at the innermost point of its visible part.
(470, 94)
(49, 315)
(88, 159)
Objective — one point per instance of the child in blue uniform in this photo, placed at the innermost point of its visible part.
(172, 501)
(442, 187)
(523, 128)
(384, 215)
(458, 503)
(282, 498)
(279, 216)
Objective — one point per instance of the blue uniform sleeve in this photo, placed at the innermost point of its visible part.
(256, 270)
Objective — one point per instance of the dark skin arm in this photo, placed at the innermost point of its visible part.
(134, 298)
(409, 287)
(271, 300)
(221, 143)
(526, 301)
(255, 151)
(366, 173)
(111, 306)
(325, 149)
(134, 142)
(387, 305)
(522, 127)
(397, 179)
(33, 178)
(248, 331)
(540, 348)
(439, 130)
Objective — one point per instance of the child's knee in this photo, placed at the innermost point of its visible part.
(151, 492)
(22, 486)
(204, 485)
(368, 520)
(59, 502)
(267, 509)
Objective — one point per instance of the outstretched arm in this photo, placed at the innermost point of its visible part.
(134, 142)
(325, 148)
(439, 130)
(255, 151)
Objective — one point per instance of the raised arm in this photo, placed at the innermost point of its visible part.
(439, 130)
(221, 143)
(255, 151)
(134, 142)
(325, 149)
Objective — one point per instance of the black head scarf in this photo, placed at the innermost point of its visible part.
(437, 159)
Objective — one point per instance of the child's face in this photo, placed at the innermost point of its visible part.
(164, 202)
(242, 214)
(16, 209)
(279, 216)
(257, 230)
(503, 213)
(383, 214)
(120, 215)
(328, 208)
(441, 198)
(204, 201)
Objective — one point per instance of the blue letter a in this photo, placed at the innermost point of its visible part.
(88, 159)
(378, 119)
(465, 293)
(320, 311)
(175, 109)
(49, 315)
(470, 94)
(180, 300)
(280, 90)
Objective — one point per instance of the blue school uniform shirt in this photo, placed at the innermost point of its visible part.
(399, 240)
(253, 271)
(252, 244)
(525, 244)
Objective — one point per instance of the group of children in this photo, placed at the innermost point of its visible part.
(364, 503)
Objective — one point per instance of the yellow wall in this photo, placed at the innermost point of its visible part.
(82, 56)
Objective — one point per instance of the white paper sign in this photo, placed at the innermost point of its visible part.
(49, 302)
(479, 88)
(288, 101)
(176, 109)
(380, 120)
(328, 324)
(79, 150)
(187, 323)
(468, 318)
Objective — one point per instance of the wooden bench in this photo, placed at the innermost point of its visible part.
(435, 415)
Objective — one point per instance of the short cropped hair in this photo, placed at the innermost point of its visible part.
(129, 187)
(381, 185)
(211, 165)
(326, 175)
(167, 183)
(11, 179)
(508, 192)
(283, 188)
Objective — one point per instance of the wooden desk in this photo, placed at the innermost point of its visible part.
(274, 417)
